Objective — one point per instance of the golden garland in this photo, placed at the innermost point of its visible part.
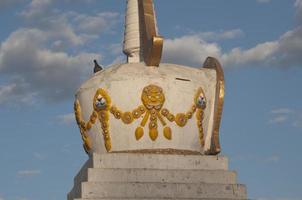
(84, 127)
(100, 113)
(153, 100)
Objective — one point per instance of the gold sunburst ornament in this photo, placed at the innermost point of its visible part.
(151, 111)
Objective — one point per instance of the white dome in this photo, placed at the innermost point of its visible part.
(132, 107)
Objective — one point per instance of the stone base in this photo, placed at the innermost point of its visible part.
(154, 176)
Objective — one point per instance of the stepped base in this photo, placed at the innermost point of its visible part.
(153, 176)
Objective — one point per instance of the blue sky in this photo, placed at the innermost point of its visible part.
(47, 48)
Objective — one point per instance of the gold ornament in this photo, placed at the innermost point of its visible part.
(201, 104)
(153, 97)
(101, 100)
(82, 126)
(102, 106)
(153, 133)
(139, 133)
(152, 110)
(127, 118)
(181, 119)
(136, 114)
(168, 133)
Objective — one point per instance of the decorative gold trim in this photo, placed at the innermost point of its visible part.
(82, 126)
(102, 105)
(181, 119)
(139, 133)
(168, 133)
(213, 63)
(151, 111)
(152, 43)
(200, 102)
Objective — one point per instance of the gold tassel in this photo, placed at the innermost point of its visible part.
(168, 133)
(139, 133)
(153, 133)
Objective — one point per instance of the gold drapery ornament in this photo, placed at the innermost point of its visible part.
(151, 111)
(84, 127)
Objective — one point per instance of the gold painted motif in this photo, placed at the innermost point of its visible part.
(181, 119)
(200, 102)
(101, 106)
(82, 126)
(139, 133)
(168, 133)
(153, 97)
(151, 112)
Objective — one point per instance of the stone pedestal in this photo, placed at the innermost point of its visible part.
(156, 176)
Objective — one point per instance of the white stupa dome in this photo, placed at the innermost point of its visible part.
(148, 106)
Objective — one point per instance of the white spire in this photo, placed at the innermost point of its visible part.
(132, 36)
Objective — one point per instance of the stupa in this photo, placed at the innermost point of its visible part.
(151, 129)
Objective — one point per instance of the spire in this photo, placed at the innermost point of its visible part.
(142, 42)
(132, 38)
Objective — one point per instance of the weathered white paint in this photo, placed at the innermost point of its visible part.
(124, 84)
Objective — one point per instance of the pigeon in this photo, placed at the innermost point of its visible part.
(97, 67)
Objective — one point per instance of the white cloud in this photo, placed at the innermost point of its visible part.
(285, 52)
(290, 48)
(282, 111)
(80, 1)
(259, 53)
(22, 198)
(35, 57)
(38, 156)
(286, 116)
(66, 148)
(192, 49)
(273, 159)
(95, 24)
(39, 71)
(70, 27)
(67, 118)
(189, 50)
(279, 119)
(28, 173)
(298, 5)
(221, 35)
(116, 48)
(37, 9)
(263, 1)
(6, 3)
(17, 92)
(298, 121)
(280, 115)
